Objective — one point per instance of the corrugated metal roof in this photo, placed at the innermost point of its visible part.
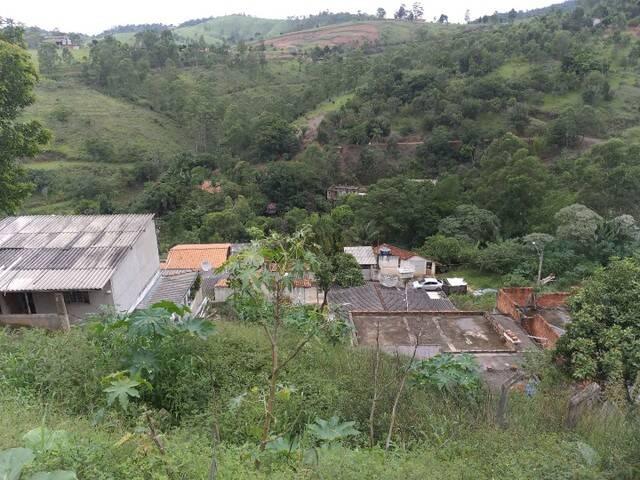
(372, 297)
(64, 252)
(364, 255)
(171, 286)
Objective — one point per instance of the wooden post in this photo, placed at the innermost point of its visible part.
(501, 414)
(578, 402)
(63, 315)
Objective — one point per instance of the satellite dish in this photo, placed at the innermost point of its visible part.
(205, 266)
(389, 281)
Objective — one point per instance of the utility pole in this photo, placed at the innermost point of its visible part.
(540, 251)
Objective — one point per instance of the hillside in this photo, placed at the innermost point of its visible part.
(235, 28)
(76, 113)
(348, 34)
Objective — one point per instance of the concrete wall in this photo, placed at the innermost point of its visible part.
(50, 321)
(45, 302)
(420, 264)
(137, 269)
(306, 296)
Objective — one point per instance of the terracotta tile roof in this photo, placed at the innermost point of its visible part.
(303, 283)
(208, 186)
(191, 256)
(396, 251)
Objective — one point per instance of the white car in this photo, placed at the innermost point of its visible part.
(429, 284)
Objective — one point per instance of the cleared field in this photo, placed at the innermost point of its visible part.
(345, 34)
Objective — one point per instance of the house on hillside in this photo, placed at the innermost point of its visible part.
(395, 261)
(367, 260)
(63, 41)
(203, 258)
(57, 269)
(338, 191)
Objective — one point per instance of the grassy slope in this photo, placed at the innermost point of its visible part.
(236, 27)
(95, 115)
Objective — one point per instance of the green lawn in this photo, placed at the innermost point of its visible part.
(476, 279)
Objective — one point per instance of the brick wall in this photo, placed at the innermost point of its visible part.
(538, 327)
(511, 301)
(552, 300)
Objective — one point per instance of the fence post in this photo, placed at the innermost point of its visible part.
(578, 401)
(63, 315)
(501, 414)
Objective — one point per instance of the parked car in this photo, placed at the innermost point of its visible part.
(428, 283)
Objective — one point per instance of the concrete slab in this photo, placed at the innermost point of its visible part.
(450, 332)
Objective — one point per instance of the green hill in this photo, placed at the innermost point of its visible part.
(76, 113)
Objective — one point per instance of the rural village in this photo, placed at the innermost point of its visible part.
(395, 241)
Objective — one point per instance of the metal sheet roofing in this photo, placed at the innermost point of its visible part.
(363, 255)
(373, 297)
(64, 252)
(170, 285)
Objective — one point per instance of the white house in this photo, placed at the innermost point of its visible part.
(57, 269)
(392, 260)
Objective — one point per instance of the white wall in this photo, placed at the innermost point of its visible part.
(138, 268)
(420, 265)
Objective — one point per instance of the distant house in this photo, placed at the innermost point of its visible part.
(203, 258)
(271, 209)
(57, 269)
(210, 187)
(366, 258)
(392, 260)
(194, 256)
(337, 191)
(63, 41)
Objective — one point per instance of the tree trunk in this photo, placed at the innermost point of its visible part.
(403, 380)
(325, 295)
(273, 338)
(374, 400)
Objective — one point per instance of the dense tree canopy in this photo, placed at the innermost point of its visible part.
(602, 342)
(17, 139)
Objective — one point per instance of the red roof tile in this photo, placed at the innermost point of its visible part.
(192, 256)
(396, 251)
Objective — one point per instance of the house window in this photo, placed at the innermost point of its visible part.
(76, 297)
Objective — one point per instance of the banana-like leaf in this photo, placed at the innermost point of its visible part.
(57, 475)
(42, 439)
(121, 390)
(332, 430)
(13, 460)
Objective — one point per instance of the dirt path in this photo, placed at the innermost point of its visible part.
(311, 133)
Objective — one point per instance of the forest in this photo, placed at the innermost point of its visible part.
(480, 145)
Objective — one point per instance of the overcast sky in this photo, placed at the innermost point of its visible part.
(94, 16)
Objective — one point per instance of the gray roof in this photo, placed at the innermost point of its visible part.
(373, 297)
(363, 255)
(64, 252)
(171, 285)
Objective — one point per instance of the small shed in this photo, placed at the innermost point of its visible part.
(454, 285)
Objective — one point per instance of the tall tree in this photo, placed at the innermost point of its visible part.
(381, 13)
(261, 277)
(17, 139)
(602, 341)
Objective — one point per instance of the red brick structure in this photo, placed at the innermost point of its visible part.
(527, 308)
